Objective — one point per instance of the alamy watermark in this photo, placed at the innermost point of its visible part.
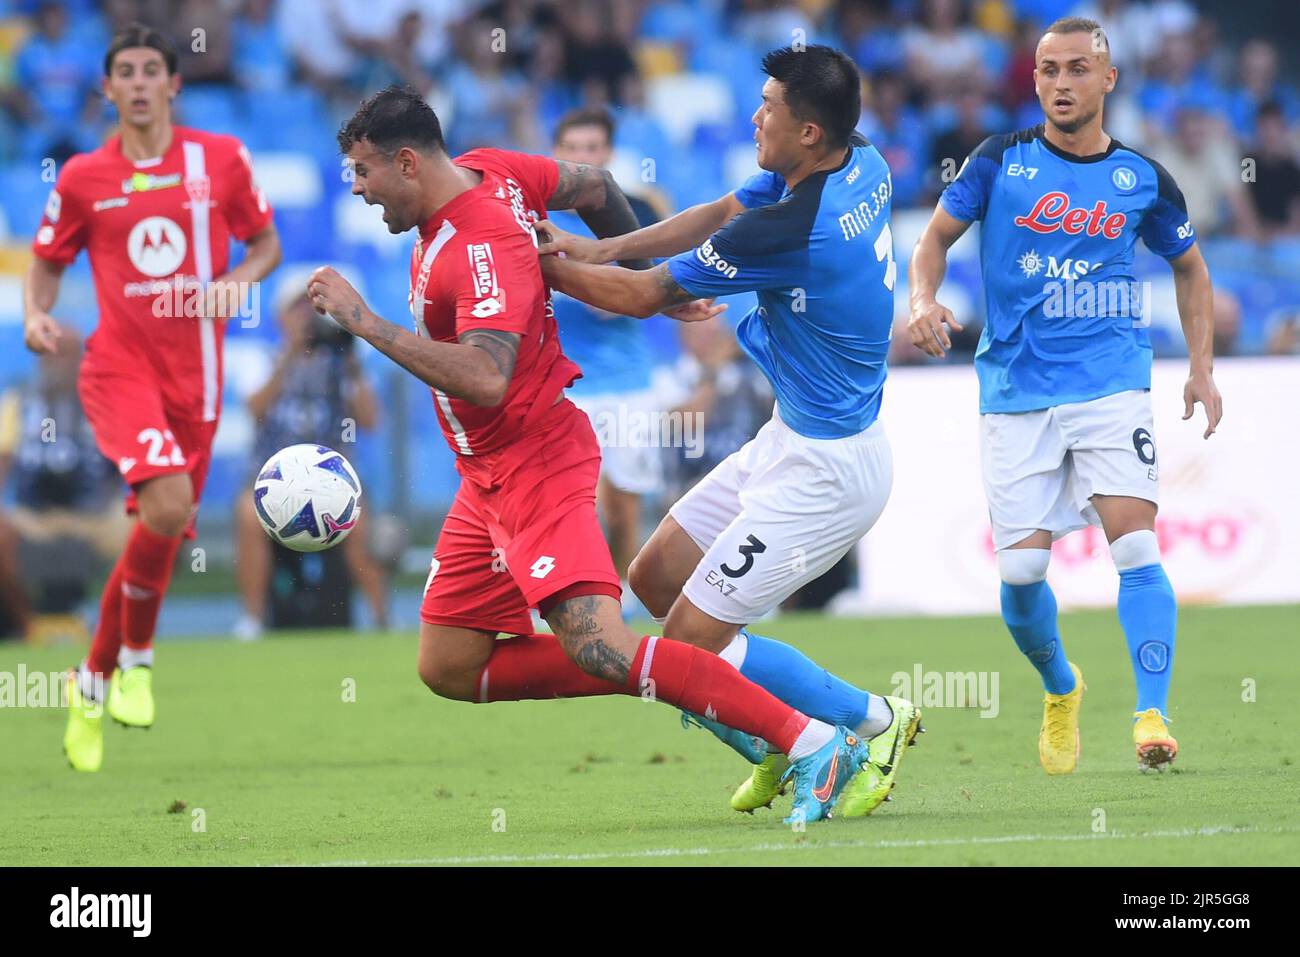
(625, 426)
(949, 689)
(42, 689)
(187, 297)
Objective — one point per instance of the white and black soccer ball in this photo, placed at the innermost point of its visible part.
(307, 497)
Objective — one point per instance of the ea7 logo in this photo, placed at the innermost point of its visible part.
(1028, 172)
(542, 567)
(133, 911)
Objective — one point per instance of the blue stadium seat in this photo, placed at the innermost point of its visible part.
(212, 108)
(22, 194)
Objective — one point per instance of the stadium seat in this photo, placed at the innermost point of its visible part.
(290, 180)
(685, 102)
(212, 108)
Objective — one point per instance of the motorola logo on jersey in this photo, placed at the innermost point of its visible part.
(156, 246)
(1053, 211)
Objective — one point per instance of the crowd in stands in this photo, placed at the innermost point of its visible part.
(681, 77)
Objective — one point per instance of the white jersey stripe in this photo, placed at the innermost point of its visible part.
(445, 232)
(196, 169)
(458, 430)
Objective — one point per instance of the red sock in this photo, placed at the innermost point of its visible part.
(528, 667)
(146, 571)
(697, 681)
(102, 659)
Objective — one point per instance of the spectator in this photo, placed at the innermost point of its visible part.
(721, 395)
(899, 133)
(493, 105)
(869, 36)
(316, 384)
(1259, 84)
(594, 52)
(65, 506)
(952, 148)
(1275, 192)
(204, 45)
(1018, 79)
(1227, 322)
(56, 78)
(261, 59)
(1179, 81)
(943, 56)
(1205, 167)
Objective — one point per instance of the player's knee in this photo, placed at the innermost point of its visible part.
(1023, 566)
(1135, 550)
(648, 583)
(167, 511)
(449, 679)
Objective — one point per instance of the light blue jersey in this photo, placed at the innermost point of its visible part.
(613, 352)
(1056, 255)
(821, 259)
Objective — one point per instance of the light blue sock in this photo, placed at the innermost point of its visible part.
(801, 683)
(1030, 614)
(1148, 613)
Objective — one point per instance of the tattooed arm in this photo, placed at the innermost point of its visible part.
(477, 368)
(592, 193)
(624, 291)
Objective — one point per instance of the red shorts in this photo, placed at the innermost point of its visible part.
(523, 528)
(135, 432)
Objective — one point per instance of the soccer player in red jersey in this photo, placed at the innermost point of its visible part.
(523, 530)
(155, 208)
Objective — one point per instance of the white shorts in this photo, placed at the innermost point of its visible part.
(778, 513)
(1041, 468)
(627, 426)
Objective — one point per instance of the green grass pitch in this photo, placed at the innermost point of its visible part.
(259, 744)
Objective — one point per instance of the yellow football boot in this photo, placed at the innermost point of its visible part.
(1058, 738)
(762, 786)
(1156, 747)
(83, 739)
(130, 697)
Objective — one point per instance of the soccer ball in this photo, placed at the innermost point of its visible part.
(307, 497)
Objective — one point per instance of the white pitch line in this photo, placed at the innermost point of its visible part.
(766, 848)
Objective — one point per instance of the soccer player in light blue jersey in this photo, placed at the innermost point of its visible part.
(614, 353)
(810, 235)
(1064, 367)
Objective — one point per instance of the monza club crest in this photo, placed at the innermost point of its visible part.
(199, 189)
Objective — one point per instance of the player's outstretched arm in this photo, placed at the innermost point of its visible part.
(592, 193)
(40, 293)
(628, 292)
(924, 276)
(1195, 296)
(476, 369)
(671, 236)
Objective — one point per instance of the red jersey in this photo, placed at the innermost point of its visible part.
(475, 267)
(150, 227)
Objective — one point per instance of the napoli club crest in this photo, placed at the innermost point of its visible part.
(1125, 179)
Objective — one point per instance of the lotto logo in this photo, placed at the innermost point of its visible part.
(542, 567)
(486, 308)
